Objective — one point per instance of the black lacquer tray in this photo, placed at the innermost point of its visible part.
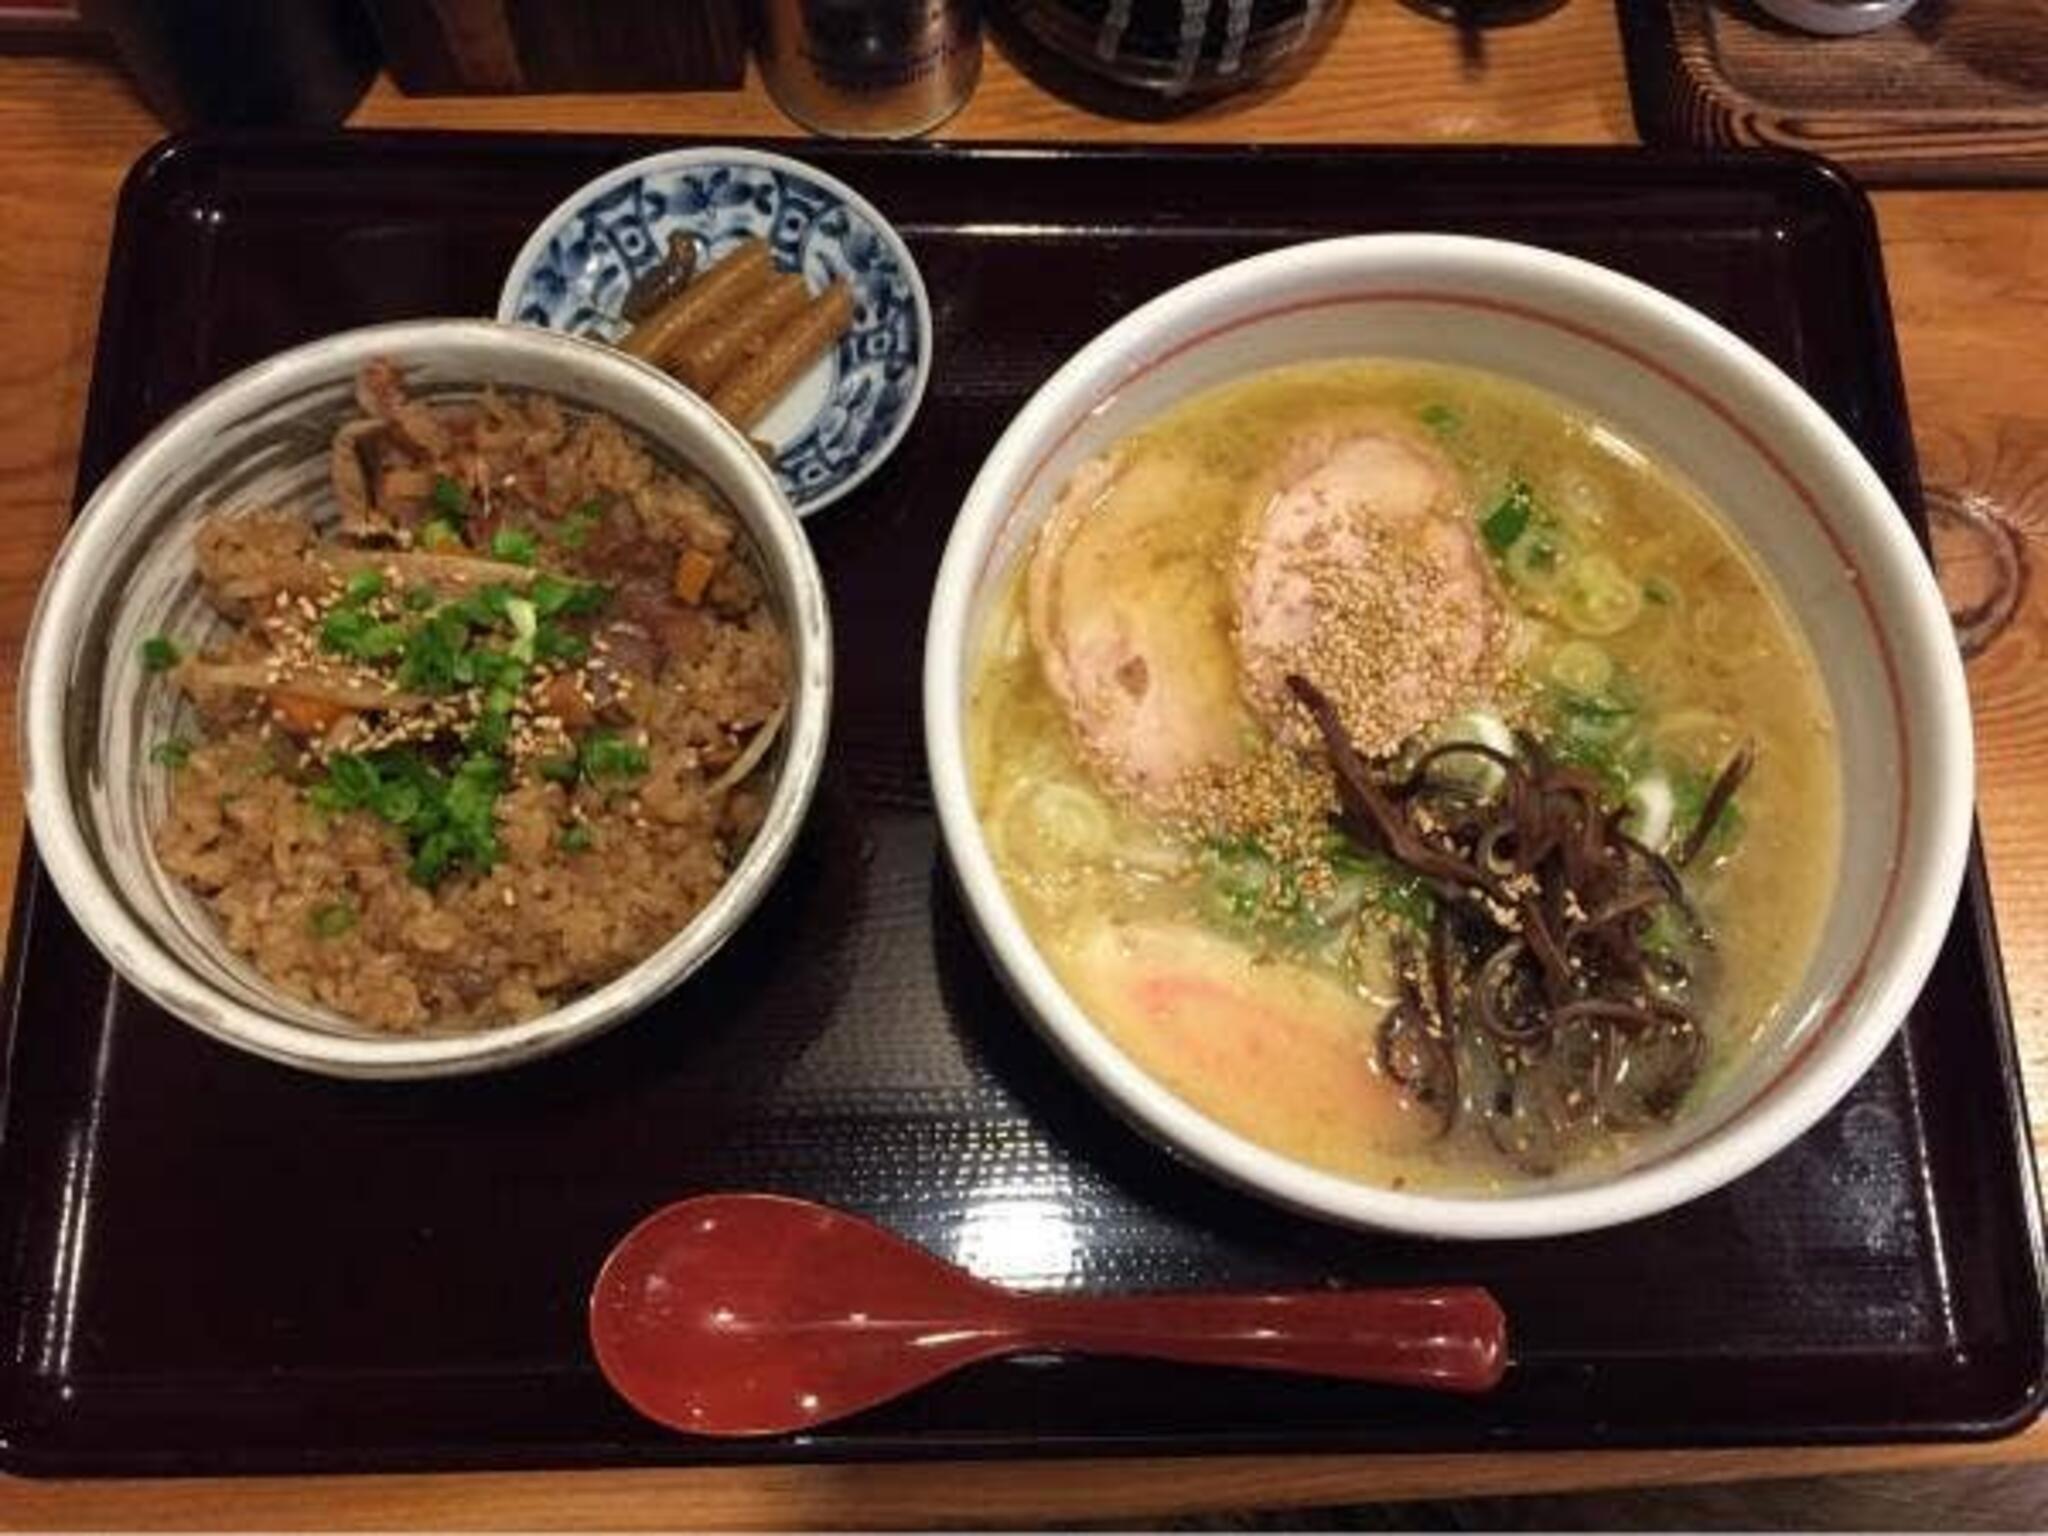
(212, 1263)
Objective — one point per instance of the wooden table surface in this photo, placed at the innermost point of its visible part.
(1969, 280)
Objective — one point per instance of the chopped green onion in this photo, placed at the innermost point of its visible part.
(381, 642)
(606, 756)
(449, 819)
(1581, 667)
(1665, 933)
(450, 499)
(399, 803)
(353, 776)
(1440, 418)
(1244, 881)
(515, 545)
(1507, 522)
(434, 655)
(1598, 707)
(1598, 598)
(1404, 897)
(171, 752)
(341, 629)
(492, 730)
(332, 920)
(493, 668)
(419, 598)
(551, 642)
(159, 654)
(1540, 559)
(577, 525)
(440, 533)
(1599, 732)
(362, 586)
(463, 824)
(551, 595)
(1392, 889)
(501, 674)
(354, 633)
(484, 607)
(576, 839)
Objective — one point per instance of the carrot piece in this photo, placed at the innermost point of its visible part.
(744, 270)
(749, 390)
(705, 357)
(694, 570)
(304, 716)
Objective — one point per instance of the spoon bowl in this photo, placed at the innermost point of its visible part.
(760, 1314)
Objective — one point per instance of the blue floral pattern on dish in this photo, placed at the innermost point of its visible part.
(580, 281)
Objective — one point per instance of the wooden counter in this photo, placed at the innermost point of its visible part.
(1969, 278)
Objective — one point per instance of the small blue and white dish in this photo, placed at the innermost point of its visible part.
(847, 414)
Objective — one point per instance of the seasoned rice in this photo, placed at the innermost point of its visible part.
(416, 845)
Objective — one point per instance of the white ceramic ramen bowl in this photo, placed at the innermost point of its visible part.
(1773, 464)
(89, 715)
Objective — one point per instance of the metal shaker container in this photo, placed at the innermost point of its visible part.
(881, 69)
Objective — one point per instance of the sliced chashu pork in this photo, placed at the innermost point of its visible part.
(1132, 625)
(1358, 567)
(1354, 563)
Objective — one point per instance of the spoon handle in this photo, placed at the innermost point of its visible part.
(1453, 1338)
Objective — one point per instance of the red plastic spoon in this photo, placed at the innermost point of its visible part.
(762, 1315)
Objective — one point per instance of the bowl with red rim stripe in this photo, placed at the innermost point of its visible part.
(1763, 454)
